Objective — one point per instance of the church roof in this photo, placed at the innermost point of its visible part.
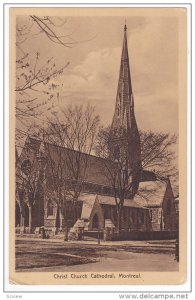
(150, 193)
(89, 199)
(88, 203)
(96, 171)
(108, 200)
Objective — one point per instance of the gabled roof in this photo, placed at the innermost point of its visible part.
(89, 199)
(150, 193)
(88, 203)
(108, 200)
(96, 171)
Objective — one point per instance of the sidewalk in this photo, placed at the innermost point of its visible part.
(160, 246)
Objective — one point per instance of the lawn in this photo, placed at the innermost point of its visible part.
(37, 254)
(29, 260)
(41, 254)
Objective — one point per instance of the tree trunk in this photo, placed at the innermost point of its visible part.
(65, 227)
(74, 213)
(63, 217)
(30, 219)
(118, 221)
(21, 221)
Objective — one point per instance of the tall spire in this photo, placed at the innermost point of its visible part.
(124, 109)
(124, 131)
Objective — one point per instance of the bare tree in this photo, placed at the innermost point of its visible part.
(37, 88)
(117, 170)
(33, 74)
(69, 139)
(59, 169)
(156, 154)
(29, 186)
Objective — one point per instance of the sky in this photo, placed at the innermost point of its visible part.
(92, 74)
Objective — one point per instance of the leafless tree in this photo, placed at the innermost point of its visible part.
(156, 154)
(117, 171)
(37, 88)
(33, 74)
(69, 139)
(60, 167)
(29, 185)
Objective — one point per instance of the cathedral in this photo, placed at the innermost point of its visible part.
(148, 206)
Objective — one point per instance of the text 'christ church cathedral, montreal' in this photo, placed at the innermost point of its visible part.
(149, 207)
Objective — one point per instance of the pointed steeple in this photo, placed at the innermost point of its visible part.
(124, 130)
(124, 109)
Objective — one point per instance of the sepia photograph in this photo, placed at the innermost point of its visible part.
(98, 145)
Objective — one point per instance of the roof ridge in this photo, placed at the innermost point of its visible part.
(66, 148)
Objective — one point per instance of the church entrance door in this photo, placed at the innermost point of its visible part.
(95, 222)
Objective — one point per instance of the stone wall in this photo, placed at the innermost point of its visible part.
(131, 218)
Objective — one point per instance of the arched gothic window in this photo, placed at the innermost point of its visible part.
(50, 208)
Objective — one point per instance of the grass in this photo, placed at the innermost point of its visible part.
(39, 254)
(29, 260)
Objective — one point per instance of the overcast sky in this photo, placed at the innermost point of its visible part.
(93, 72)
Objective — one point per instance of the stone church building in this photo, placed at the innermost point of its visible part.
(40, 196)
